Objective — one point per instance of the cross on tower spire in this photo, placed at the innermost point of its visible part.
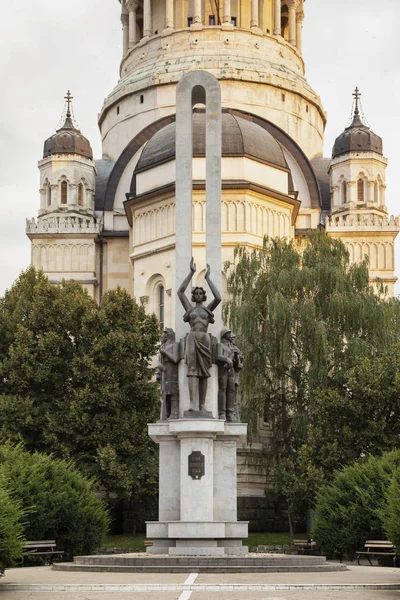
(69, 99)
(357, 96)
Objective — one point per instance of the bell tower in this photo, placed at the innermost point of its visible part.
(359, 214)
(63, 236)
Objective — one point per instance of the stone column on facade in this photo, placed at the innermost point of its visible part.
(382, 195)
(146, 18)
(335, 196)
(73, 194)
(277, 17)
(352, 191)
(292, 21)
(132, 7)
(55, 194)
(197, 12)
(226, 17)
(42, 192)
(125, 32)
(254, 17)
(299, 31)
(169, 14)
(370, 191)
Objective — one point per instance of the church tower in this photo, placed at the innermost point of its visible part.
(359, 215)
(63, 237)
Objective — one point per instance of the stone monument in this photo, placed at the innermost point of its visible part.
(199, 367)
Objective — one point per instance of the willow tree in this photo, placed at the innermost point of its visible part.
(303, 316)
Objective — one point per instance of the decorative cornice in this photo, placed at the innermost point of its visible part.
(74, 225)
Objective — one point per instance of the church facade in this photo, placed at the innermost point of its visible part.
(110, 222)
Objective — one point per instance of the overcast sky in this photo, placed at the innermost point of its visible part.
(48, 46)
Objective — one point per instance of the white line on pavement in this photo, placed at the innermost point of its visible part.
(185, 595)
(191, 579)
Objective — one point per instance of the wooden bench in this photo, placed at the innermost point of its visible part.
(304, 546)
(148, 543)
(378, 548)
(42, 548)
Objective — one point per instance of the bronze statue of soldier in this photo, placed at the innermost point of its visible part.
(225, 358)
(168, 375)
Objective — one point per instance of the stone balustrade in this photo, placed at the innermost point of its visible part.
(62, 224)
(360, 222)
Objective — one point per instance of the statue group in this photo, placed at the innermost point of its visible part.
(199, 350)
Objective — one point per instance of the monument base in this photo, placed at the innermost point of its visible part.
(197, 539)
(198, 488)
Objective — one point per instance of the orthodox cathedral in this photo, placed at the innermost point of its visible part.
(110, 222)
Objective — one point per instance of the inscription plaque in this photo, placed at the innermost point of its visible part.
(196, 464)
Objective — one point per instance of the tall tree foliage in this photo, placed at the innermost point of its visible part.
(76, 380)
(304, 316)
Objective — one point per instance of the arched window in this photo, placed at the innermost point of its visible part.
(360, 190)
(161, 304)
(344, 192)
(64, 192)
(81, 191)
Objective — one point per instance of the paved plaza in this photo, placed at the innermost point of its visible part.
(357, 583)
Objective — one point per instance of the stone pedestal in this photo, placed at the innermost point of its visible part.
(198, 488)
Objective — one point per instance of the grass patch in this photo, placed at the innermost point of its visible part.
(124, 541)
(254, 539)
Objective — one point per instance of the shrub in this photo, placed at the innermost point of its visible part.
(60, 503)
(11, 527)
(349, 509)
(391, 510)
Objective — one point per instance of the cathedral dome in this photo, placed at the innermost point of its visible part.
(358, 137)
(68, 139)
(240, 137)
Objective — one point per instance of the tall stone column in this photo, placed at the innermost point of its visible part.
(146, 18)
(254, 18)
(226, 17)
(277, 17)
(197, 12)
(125, 32)
(132, 7)
(292, 21)
(169, 14)
(299, 31)
(206, 89)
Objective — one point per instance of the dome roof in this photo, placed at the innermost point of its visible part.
(68, 139)
(358, 137)
(240, 137)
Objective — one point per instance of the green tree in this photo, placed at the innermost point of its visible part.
(359, 415)
(303, 316)
(76, 381)
(58, 502)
